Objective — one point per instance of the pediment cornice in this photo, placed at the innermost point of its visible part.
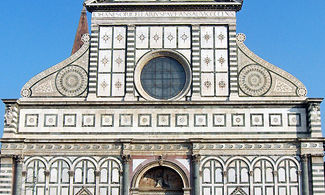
(101, 5)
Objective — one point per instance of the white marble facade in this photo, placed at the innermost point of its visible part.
(239, 125)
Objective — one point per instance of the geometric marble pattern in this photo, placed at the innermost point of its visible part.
(31, 120)
(214, 61)
(50, 120)
(257, 120)
(192, 119)
(111, 61)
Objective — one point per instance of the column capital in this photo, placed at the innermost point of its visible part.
(196, 158)
(126, 158)
(71, 173)
(19, 159)
(304, 157)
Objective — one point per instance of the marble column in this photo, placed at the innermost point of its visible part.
(125, 184)
(305, 174)
(196, 174)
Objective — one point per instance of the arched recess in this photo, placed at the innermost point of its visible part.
(166, 165)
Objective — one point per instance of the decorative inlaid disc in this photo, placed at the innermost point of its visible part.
(71, 81)
(254, 80)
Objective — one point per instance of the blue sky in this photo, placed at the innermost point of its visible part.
(38, 34)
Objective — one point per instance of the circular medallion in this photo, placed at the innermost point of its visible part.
(26, 93)
(71, 81)
(254, 80)
(301, 92)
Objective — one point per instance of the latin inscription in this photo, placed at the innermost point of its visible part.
(166, 14)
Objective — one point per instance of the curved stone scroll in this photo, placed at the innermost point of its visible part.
(69, 78)
(259, 78)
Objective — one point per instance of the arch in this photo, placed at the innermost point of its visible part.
(53, 160)
(212, 158)
(137, 177)
(43, 160)
(102, 161)
(76, 161)
(262, 158)
(278, 162)
(230, 160)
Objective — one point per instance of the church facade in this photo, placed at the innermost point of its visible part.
(162, 97)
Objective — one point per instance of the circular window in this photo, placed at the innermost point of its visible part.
(162, 75)
(163, 78)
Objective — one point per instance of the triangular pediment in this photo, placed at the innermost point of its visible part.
(238, 191)
(84, 191)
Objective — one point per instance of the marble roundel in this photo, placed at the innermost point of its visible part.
(254, 80)
(71, 81)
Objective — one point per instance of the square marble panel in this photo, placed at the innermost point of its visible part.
(144, 120)
(118, 61)
(31, 120)
(142, 37)
(118, 85)
(184, 37)
(182, 120)
(104, 85)
(105, 37)
(88, 120)
(126, 120)
(170, 37)
(222, 84)
(156, 37)
(294, 119)
(257, 120)
(105, 61)
(207, 60)
(221, 60)
(219, 120)
(275, 120)
(200, 120)
(119, 41)
(238, 120)
(163, 120)
(107, 120)
(207, 84)
(221, 36)
(207, 37)
(50, 120)
(69, 120)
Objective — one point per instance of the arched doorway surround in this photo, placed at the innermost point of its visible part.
(161, 178)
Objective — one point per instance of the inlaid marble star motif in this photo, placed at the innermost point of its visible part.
(207, 37)
(221, 37)
(170, 37)
(222, 84)
(119, 37)
(105, 38)
(207, 60)
(119, 60)
(104, 61)
(184, 37)
(207, 84)
(142, 37)
(156, 37)
(221, 60)
(103, 84)
(118, 85)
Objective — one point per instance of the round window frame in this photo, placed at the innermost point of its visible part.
(146, 58)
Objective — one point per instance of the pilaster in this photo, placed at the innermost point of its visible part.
(317, 172)
(196, 159)
(126, 166)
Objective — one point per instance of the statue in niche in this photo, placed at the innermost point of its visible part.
(9, 116)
